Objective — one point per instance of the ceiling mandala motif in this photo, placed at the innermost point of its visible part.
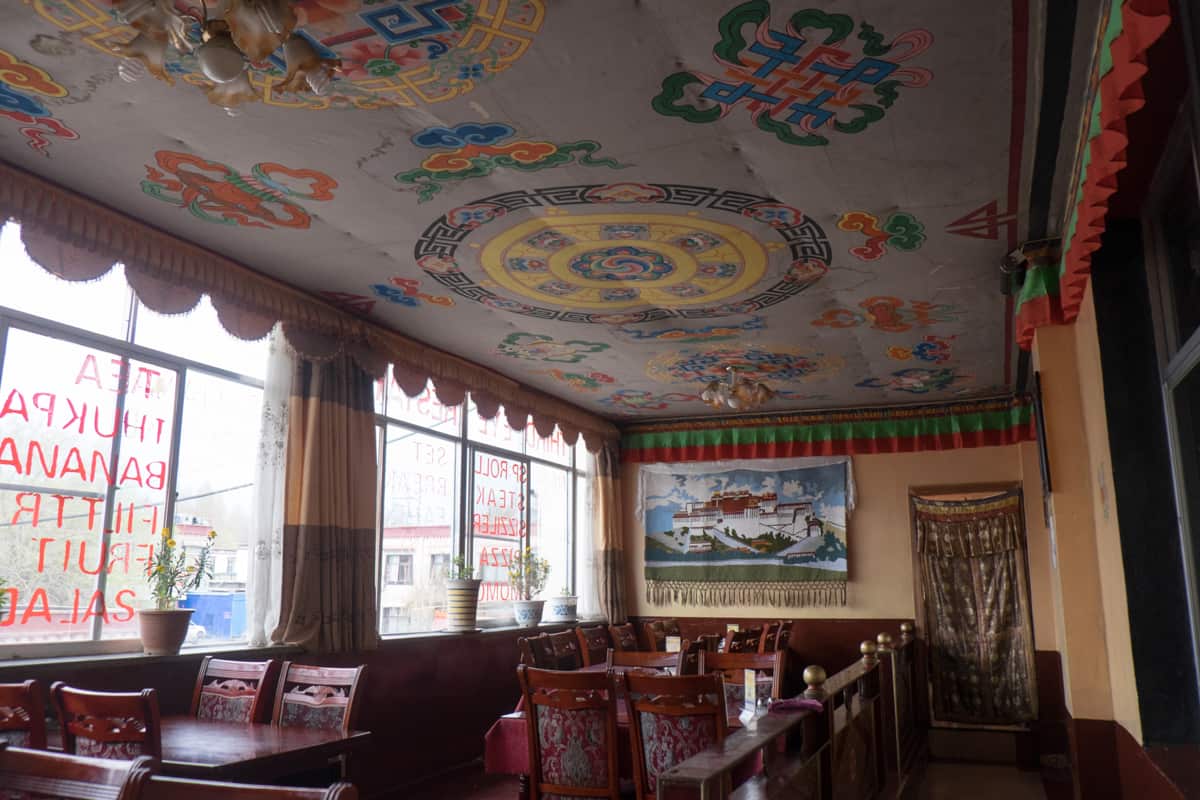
(774, 366)
(392, 52)
(627, 266)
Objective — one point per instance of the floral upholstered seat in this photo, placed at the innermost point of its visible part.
(671, 720)
(23, 715)
(572, 733)
(317, 697)
(232, 691)
(119, 725)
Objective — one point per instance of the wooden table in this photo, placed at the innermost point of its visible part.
(199, 748)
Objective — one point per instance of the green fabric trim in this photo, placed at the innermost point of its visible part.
(839, 431)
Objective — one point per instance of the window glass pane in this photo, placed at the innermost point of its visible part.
(424, 410)
(494, 431)
(550, 523)
(100, 306)
(59, 417)
(1181, 229)
(497, 528)
(585, 570)
(1187, 417)
(218, 467)
(199, 336)
(550, 448)
(419, 501)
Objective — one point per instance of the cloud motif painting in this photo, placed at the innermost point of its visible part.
(537, 347)
(22, 87)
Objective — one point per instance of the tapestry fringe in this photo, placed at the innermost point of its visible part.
(747, 593)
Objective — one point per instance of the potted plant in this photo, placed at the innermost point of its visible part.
(528, 575)
(562, 606)
(170, 575)
(462, 595)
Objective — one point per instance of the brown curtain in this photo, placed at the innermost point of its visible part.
(328, 601)
(977, 616)
(606, 532)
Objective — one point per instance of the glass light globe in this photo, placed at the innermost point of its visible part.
(220, 60)
(130, 70)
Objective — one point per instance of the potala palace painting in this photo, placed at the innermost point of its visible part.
(747, 525)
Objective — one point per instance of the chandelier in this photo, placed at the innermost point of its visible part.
(224, 41)
(735, 393)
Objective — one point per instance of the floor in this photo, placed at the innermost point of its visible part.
(943, 781)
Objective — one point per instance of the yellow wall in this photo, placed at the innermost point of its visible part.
(880, 535)
(1097, 655)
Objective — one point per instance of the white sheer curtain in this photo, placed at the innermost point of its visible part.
(586, 564)
(264, 588)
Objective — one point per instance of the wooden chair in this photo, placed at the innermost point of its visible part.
(670, 720)
(536, 651)
(635, 658)
(784, 637)
(766, 644)
(235, 691)
(155, 787)
(624, 637)
(658, 631)
(564, 650)
(571, 714)
(689, 664)
(23, 715)
(318, 697)
(593, 644)
(745, 641)
(732, 667)
(122, 725)
(40, 774)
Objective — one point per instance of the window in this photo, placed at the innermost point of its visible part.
(116, 422)
(397, 569)
(455, 483)
(394, 620)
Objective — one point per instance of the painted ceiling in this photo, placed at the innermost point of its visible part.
(610, 201)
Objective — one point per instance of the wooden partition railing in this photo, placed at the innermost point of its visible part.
(845, 751)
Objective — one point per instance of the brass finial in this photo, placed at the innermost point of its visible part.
(885, 642)
(906, 631)
(869, 651)
(814, 677)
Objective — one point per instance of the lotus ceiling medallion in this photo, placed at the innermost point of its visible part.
(227, 38)
(736, 393)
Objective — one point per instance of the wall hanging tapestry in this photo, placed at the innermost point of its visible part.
(976, 606)
(770, 532)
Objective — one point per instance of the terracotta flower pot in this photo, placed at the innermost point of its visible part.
(462, 602)
(163, 632)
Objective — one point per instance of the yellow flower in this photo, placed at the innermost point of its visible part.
(190, 570)
(170, 542)
(212, 534)
(158, 570)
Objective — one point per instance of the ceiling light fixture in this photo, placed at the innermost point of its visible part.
(235, 37)
(736, 393)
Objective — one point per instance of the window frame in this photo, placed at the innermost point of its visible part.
(462, 528)
(14, 319)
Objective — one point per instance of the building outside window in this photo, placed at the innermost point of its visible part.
(398, 569)
(115, 423)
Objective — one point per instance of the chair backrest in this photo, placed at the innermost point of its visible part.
(235, 691)
(318, 697)
(766, 644)
(42, 774)
(745, 641)
(624, 637)
(689, 664)
(732, 667)
(156, 787)
(572, 729)
(670, 720)
(637, 658)
(536, 651)
(121, 725)
(657, 632)
(593, 644)
(785, 636)
(564, 650)
(23, 715)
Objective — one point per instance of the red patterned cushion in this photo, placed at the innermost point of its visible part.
(16, 738)
(667, 740)
(224, 708)
(302, 715)
(572, 744)
(123, 751)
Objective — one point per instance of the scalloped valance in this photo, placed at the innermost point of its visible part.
(78, 240)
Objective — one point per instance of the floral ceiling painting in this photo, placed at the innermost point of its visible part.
(611, 202)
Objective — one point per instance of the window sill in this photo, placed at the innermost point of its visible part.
(485, 631)
(118, 659)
